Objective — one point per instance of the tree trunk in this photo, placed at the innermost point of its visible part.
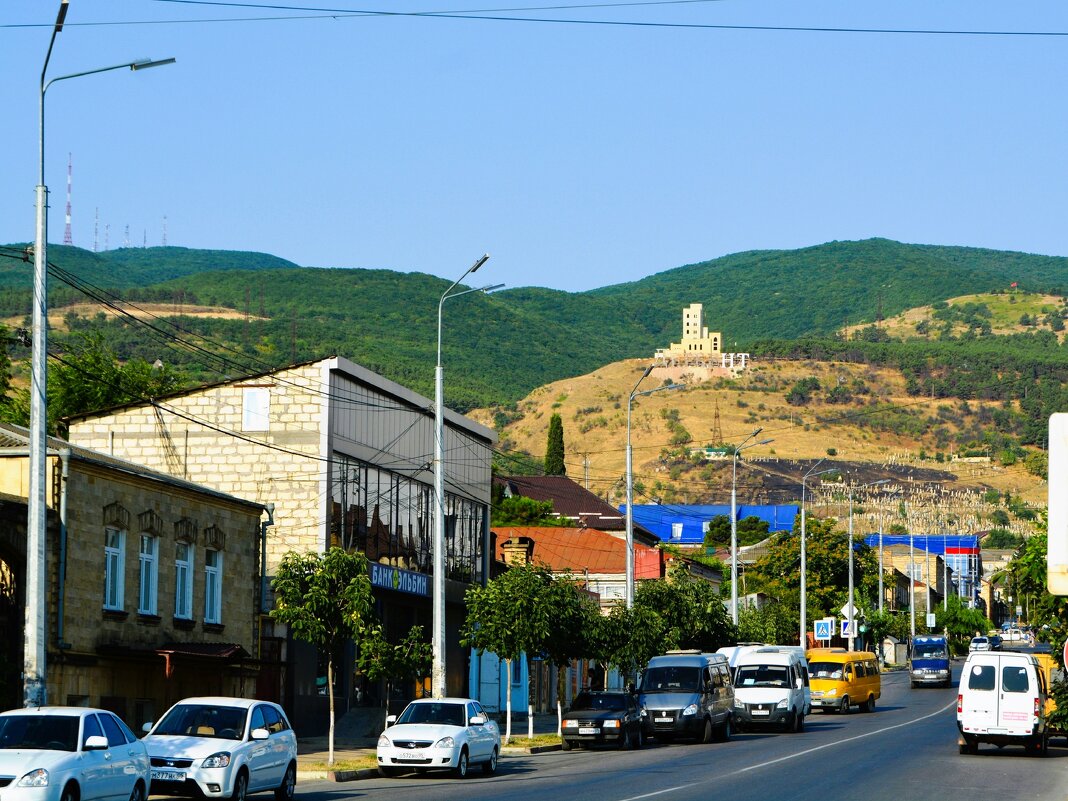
(561, 683)
(330, 692)
(508, 701)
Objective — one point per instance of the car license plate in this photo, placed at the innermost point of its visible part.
(588, 730)
(662, 720)
(409, 755)
(168, 776)
(760, 712)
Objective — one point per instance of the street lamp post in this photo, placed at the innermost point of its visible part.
(33, 682)
(437, 639)
(630, 481)
(852, 613)
(801, 640)
(734, 520)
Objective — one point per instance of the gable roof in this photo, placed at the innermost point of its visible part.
(573, 501)
(580, 549)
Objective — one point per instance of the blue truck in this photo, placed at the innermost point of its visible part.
(929, 662)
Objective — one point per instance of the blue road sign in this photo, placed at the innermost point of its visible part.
(847, 628)
(823, 629)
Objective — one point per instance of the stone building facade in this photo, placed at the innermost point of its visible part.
(345, 456)
(151, 590)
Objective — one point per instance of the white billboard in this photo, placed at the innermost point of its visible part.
(1057, 558)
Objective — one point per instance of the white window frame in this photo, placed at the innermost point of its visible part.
(114, 568)
(148, 561)
(676, 531)
(255, 409)
(213, 576)
(183, 582)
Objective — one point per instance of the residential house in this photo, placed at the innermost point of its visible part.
(150, 593)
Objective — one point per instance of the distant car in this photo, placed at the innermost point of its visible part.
(995, 642)
(439, 734)
(603, 718)
(219, 747)
(58, 753)
(979, 644)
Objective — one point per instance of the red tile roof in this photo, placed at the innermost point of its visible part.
(578, 549)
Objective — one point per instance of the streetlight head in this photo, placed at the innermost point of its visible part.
(491, 287)
(765, 441)
(648, 370)
(481, 260)
(61, 16)
(146, 63)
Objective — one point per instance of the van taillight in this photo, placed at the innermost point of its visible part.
(1037, 706)
(960, 704)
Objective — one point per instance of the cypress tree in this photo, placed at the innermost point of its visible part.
(554, 449)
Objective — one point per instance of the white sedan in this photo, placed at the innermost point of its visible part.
(439, 733)
(59, 753)
(223, 748)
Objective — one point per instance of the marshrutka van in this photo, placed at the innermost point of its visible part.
(771, 688)
(842, 679)
(1002, 700)
(687, 694)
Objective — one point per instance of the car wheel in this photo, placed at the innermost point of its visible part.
(625, 743)
(70, 793)
(138, 792)
(285, 791)
(388, 773)
(489, 767)
(843, 708)
(460, 771)
(639, 739)
(790, 724)
(565, 744)
(240, 787)
(800, 723)
(706, 733)
(724, 733)
(869, 705)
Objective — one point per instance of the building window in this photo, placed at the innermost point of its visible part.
(676, 531)
(149, 563)
(213, 567)
(114, 542)
(256, 409)
(183, 580)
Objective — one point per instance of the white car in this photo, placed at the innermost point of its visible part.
(60, 753)
(222, 748)
(439, 733)
(979, 644)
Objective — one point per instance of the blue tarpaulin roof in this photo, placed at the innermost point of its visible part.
(931, 543)
(661, 519)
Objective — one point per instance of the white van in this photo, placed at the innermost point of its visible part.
(771, 688)
(1002, 700)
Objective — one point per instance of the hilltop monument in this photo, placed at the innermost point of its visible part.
(700, 349)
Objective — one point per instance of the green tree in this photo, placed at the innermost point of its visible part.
(961, 623)
(324, 599)
(406, 661)
(627, 639)
(574, 615)
(517, 510)
(775, 624)
(692, 610)
(511, 615)
(554, 448)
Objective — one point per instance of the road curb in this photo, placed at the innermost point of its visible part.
(336, 775)
(514, 750)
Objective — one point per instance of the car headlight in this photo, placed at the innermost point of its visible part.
(739, 703)
(644, 713)
(831, 692)
(570, 724)
(445, 742)
(917, 673)
(690, 710)
(383, 741)
(35, 778)
(782, 704)
(610, 724)
(219, 760)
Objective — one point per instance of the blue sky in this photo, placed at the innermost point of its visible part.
(578, 155)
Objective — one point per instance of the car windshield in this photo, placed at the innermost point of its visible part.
(929, 650)
(606, 701)
(825, 670)
(204, 720)
(762, 676)
(443, 713)
(39, 732)
(671, 679)
(979, 640)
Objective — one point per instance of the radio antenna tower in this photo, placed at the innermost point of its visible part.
(126, 237)
(96, 227)
(107, 234)
(164, 230)
(67, 240)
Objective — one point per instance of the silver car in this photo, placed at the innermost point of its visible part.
(60, 753)
(223, 748)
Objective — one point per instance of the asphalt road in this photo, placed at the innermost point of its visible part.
(905, 751)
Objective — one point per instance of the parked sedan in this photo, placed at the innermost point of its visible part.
(223, 748)
(603, 718)
(58, 753)
(439, 733)
(979, 644)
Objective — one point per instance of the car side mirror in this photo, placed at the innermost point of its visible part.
(147, 727)
(96, 742)
(798, 683)
(260, 734)
(391, 719)
(477, 720)
(631, 688)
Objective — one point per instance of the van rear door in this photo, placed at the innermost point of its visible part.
(979, 696)
(1016, 708)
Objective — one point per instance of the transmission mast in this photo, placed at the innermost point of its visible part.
(67, 240)
(96, 228)
(164, 230)
(717, 431)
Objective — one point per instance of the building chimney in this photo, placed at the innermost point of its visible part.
(518, 551)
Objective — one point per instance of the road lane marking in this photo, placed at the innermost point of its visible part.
(807, 751)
